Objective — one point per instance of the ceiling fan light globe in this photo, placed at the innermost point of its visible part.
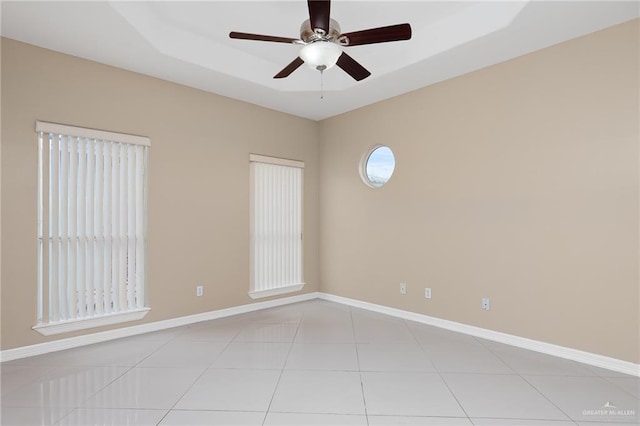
(320, 54)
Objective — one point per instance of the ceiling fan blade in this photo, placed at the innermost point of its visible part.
(352, 67)
(260, 37)
(376, 35)
(319, 11)
(289, 68)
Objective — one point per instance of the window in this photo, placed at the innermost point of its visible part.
(378, 166)
(91, 228)
(276, 226)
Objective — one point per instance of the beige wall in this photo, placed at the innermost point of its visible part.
(198, 179)
(518, 182)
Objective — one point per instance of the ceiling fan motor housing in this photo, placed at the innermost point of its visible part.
(308, 35)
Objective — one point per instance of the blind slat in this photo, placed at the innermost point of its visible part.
(54, 162)
(41, 254)
(131, 226)
(63, 200)
(116, 246)
(107, 226)
(81, 220)
(89, 228)
(122, 234)
(98, 271)
(72, 293)
(140, 231)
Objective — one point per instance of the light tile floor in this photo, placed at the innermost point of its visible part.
(311, 363)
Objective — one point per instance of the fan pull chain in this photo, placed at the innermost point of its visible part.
(321, 68)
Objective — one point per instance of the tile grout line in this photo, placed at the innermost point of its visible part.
(128, 369)
(506, 364)
(497, 355)
(355, 342)
(284, 366)
(621, 388)
(199, 376)
(514, 373)
(527, 382)
(51, 369)
(547, 398)
(438, 372)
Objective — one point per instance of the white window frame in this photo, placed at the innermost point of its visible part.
(60, 309)
(364, 164)
(294, 275)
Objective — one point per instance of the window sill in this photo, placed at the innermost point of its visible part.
(85, 323)
(276, 291)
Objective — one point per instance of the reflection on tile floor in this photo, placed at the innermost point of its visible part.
(310, 363)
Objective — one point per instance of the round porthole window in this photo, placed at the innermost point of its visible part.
(378, 166)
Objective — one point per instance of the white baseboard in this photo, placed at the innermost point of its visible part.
(588, 358)
(595, 360)
(88, 339)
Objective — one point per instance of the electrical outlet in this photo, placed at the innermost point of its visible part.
(403, 288)
(485, 304)
(200, 291)
(427, 293)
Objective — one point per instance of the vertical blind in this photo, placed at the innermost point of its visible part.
(91, 223)
(276, 223)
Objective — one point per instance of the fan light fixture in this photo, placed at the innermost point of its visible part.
(320, 55)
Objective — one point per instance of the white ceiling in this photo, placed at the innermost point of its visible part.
(188, 43)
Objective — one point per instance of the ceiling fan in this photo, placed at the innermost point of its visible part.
(322, 41)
